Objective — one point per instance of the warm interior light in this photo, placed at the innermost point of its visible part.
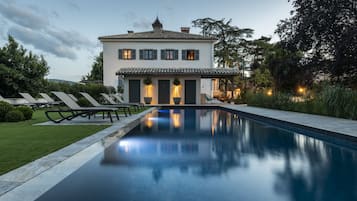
(148, 90)
(270, 92)
(301, 90)
(237, 92)
(177, 90)
(176, 120)
(148, 121)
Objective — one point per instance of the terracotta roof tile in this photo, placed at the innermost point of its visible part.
(203, 72)
(162, 34)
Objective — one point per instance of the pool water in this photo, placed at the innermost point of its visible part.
(198, 154)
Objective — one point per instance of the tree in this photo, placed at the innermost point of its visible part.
(326, 31)
(96, 73)
(231, 42)
(230, 39)
(262, 78)
(286, 68)
(20, 70)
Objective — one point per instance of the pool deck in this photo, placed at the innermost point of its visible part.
(330, 125)
(32, 180)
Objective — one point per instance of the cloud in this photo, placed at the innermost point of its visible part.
(71, 38)
(73, 5)
(41, 41)
(31, 28)
(142, 24)
(23, 16)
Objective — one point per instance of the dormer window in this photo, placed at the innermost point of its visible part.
(148, 54)
(169, 54)
(127, 54)
(190, 55)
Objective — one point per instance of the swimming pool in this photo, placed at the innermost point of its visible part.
(209, 154)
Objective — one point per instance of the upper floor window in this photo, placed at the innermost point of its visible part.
(127, 54)
(148, 54)
(190, 55)
(169, 54)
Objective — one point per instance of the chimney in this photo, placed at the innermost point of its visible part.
(130, 31)
(157, 26)
(185, 29)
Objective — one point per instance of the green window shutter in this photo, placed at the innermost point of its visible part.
(141, 54)
(133, 54)
(197, 55)
(175, 54)
(184, 54)
(120, 54)
(154, 54)
(163, 54)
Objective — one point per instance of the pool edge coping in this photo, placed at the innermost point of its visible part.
(32, 170)
(273, 120)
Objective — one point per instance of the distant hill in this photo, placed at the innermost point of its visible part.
(62, 81)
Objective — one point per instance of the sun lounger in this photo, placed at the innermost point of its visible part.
(75, 110)
(5, 100)
(111, 101)
(120, 100)
(49, 99)
(32, 100)
(13, 103)
(212, 100)
(95, 103)
(73, 97)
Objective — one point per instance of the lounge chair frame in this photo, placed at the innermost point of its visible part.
(75, 110)
(111, 101)
(125, 108)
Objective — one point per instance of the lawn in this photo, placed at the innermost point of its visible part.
(21, 143)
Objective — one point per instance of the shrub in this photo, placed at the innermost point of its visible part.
(83, 102)
(26, 111)
(14, 116)
(331, 100)
(176, 81)
(147, 81)
(4, 109)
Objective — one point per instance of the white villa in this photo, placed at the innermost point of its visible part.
(160, 66)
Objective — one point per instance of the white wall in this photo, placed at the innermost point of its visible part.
(112, 64)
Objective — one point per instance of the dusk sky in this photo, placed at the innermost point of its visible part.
(66, 32)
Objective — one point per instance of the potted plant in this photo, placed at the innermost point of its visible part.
(177, 98)
(147, 81)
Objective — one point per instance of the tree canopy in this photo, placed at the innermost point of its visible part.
(96, 73)
(230, 39)
(20, 70)
(326, 31)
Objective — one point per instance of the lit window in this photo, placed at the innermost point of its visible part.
(126, 54)
(190, 55)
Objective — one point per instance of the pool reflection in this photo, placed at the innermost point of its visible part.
(213, 155)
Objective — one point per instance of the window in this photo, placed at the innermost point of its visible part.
(127, 54)
(148, 54)
(169, 54)
(190, 55)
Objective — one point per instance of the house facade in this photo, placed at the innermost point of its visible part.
(160, 66)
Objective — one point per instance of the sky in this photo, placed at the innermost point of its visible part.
(66, 32)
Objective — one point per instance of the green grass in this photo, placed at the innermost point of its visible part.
(21, 143)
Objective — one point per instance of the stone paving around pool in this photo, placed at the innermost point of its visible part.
(33, 179)
(335, 125)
